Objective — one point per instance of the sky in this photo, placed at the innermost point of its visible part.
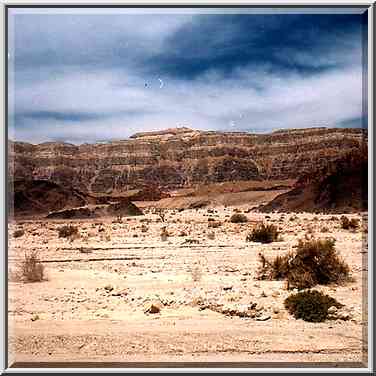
(95, 75)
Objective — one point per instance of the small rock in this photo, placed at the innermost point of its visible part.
(263, 318)
(344, 316)
(35, 318)
(259, 307)
(152, 308)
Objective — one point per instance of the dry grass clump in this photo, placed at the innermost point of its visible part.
(238, 218)
(196, 274)
(263, 233)
(18, 233)
(348, 224)
(31, 268)
(314, 262)
(67, 231)
(310, 306)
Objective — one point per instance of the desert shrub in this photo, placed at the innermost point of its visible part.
(164, 234)
(211, 235)
(211, 219)
(161, 213)
(238, 218)
(214, 224)
(310, 305)
(191, 241)
(118, 219)
(324, 229)
(263, 233)
(67, 231)
(31, 268)
(144, 228)
(18, 233)
(196, 274)
(314, 262)
(348, 224)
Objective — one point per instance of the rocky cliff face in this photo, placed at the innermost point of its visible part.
(180, 157)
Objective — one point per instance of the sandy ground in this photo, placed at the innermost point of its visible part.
(92, 307)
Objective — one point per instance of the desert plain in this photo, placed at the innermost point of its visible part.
(121, 292)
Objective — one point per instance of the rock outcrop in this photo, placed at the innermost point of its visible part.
(43, 197)
(177, 158)
(31, 197)
(339, 186)
(118, 209)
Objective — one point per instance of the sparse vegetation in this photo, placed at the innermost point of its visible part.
(18, 233)
(211, 235)
(161, 213)
(324, 229)
(348, 224)
(67, 231)
(315, 262)
(238, 218)
(31, 268)
(118, 219)
(263, 233)
(310, 305)
(196, 274)
(164, 234)
(191, 241)
(214, 224)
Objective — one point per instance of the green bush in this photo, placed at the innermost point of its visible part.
(238, 218)
(263, 234)
(310, 305)
(314, 262)
(67, 231)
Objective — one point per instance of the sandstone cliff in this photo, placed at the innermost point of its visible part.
(177, 158)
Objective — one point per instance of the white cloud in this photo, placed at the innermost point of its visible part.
(250, 100)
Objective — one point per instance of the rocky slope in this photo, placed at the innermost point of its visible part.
(339, 186)
(180, 157)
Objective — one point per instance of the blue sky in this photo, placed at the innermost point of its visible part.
(92, 75)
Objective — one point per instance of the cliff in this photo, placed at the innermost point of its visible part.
(180, 157)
